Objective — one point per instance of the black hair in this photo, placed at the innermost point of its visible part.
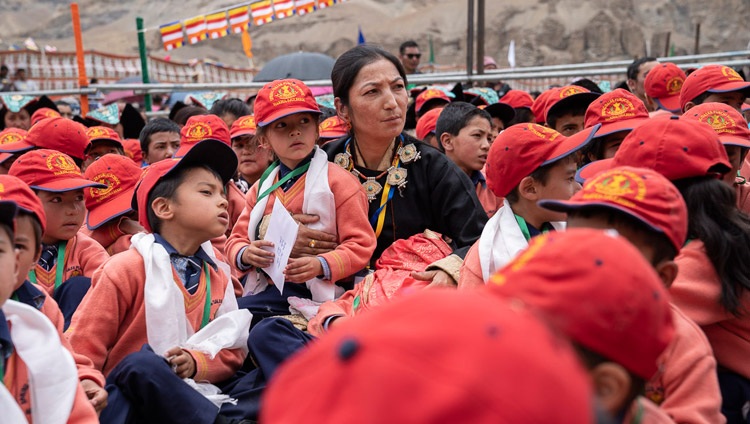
(347, 67)
(714, 219)
(540, 174)
(591, 360)
(4, 68)
(235, 106)
(575, 109)
(9, 231)
(182, 116)
(167, 188)
(406, 44)
(588, 84)
(701, 98)
(36, 225)
(633, 67)
(455, 116)
(158, 125)
(523, 114)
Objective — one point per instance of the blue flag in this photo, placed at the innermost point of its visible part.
(361, 37)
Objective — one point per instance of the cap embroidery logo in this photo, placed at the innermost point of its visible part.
(674, 85)
(731, 74)
(571, 91)
(617, 108)
(431, 93)
(536, 244)
(247, 122)
(60, 164)
(111, 181)
(96, 132)
(543, 132)
(10, 138)
(285, 92)
(621, 187)
(720, 121)
(51, 114)
(2, 188)
(327, 124)
(198, 131)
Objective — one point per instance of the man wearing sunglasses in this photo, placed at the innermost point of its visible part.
(409, 55)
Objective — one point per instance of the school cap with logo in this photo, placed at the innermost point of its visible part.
(202, 127)
(61, 134)
(281, 98)
(14, 190)
(210, 152)
(427, 123)
(642, 193)
(565, 98)
(712, 79)
(663, 83)
(12, 142)
(431, 95)
(12, 135)
(676, 148)
(333, 127)
(132, 149)
(601, 292)
(517, 99)
(539, 107)
(617, 110)
(119, 174)
(396, 365)
(244, 125)
(100, 133)
(728, 124)
(50, 170)
(42, 113)
(522, 148)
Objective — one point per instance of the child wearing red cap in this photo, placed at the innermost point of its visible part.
(465, 135)
(714, 83)
(662, 85)
(170, 292)
(565, 109)
(69, 258)
(425, 130)
(253, 158)
(604, 295)
(110, 219)
(286, 114)
(526, 163)
(645, 208)
(332, 128)
(39, 376)
(521, 102)
(102, 141)
(429, 99)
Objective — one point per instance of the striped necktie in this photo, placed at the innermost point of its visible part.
(189, 270)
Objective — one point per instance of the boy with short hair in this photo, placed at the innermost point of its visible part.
(102, 141)
(159, 139)
(69, 258)
(169, 286)
(714, 83)
(565, 109)
(526, 163)
(521, 103)
(648, 210)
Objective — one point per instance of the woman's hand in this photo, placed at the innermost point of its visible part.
(256, 256)
(311, 242)
(299, 270)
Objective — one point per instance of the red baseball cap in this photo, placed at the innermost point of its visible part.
(244, 125)
(539, 107)
(617, 110)
(522, 148)
(281, 98)
(745, 107)
(102, 133)
(663, 84)
(42, 113)
(427, 122)
(729, 124)
(564, 98)
(396, 365)
(430, 95)
(712, 79)
(517, 99)
(50, 170)
(641, 193)
(626, 315)
(120, 175)
(210, 152)
(676, 148)
(132, 148)
(15, 190)
(12, 139)
(333, 127)
(12, 135)
(61, 134)
(202, 127)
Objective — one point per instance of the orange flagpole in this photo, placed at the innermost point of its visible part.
(82, 79)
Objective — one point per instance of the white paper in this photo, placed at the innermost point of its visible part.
(282, 232)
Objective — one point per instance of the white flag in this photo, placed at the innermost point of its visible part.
(512, 54)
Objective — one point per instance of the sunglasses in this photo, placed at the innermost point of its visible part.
(414, 55)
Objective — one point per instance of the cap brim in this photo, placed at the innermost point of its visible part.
(5, 156)
(212, 153)
(240, 133)
(615, 127)
(67, 184)
(731, 86)
(592, 169)
(283, 113)
(671, 103)
(332, 134)
(18, 146)
(8, 211)
(745, 107)
(732, 140)
(119, 204)
(111, 140)
(572, 144)
(502, 111)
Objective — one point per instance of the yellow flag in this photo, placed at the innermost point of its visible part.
(247, 44)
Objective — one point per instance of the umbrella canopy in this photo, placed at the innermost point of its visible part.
(126, 95)
(302, 66)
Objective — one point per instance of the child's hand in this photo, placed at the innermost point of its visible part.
(129, 226)
(96, 394)
(182, 362)
(256, 256)
(299, 270)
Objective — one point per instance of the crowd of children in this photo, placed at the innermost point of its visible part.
(601, 275)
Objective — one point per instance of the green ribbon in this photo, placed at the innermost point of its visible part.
(298, 171)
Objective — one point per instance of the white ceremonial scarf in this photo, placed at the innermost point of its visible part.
(53, 378)
(318, 201)
(502, 240)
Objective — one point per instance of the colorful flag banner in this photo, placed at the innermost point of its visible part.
(171, 35)
(216, 25)
(195, 28)
(262, 12)
(239, 19)
(283, 8)
(322, 4)
(304, 7)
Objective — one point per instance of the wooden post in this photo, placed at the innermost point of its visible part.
(697, 38)
(480, 37)
(83, 80)
(666, 45)
(144, 59)
(470, 39)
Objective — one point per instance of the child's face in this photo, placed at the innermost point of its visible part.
(569, 124)
(469, 148)
(561, 185)
(253, 159)
(28, 250)
(292, 137)
(733, 99)
(98, 150)
(8, 265)
(65, 213)
(736, 157)
(601, 221)
(200, 205)
(611, 143)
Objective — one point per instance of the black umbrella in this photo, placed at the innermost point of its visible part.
(302, 66)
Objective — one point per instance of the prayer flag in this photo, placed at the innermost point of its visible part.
(216, 25)
(322, 4)
(262, 12)
(195, 28)
(239, 19)
(171, 35)
(304, 7)
(283, 8)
